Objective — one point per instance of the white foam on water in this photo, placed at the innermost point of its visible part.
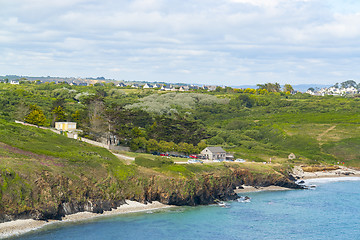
(330, 180)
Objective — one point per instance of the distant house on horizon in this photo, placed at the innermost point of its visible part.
(120, 85)
(214, 153)
(147, 86)
(16, 82)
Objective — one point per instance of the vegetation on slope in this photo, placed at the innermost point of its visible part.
(254, 124)
(45, 175)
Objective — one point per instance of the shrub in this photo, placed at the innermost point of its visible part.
(215, 140)
(237, 124)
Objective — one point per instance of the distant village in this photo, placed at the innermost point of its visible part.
(349, 87)
(13, 79)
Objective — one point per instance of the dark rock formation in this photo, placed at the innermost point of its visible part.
(55, 196)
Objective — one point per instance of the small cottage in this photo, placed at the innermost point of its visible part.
(291, 156)
(15, 82)
(68, 128)
(214, 153)
(65, 126)
(147, 86)
(120, 85)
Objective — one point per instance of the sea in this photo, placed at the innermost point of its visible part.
(329, 211)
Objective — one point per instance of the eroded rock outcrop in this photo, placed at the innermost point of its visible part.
(53, 196)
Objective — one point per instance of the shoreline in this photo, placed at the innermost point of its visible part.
(340, 172)
(22, 226)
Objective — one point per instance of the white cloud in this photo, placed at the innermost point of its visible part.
(260, 3)
(202, 40)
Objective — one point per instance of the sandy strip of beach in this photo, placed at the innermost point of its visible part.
(341, 172)
(298, 172)
(18, 227)
(247, 189)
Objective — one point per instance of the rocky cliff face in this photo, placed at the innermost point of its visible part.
(53, 196)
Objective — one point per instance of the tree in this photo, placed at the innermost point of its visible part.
(288, 88)
(186, 148)
(201, 146)
(243, 100)
(166, 146)
(36, 116)
(76, 116)
(60, 101)
(219, 89)
(262, 91)
(21, 111)
(270, 87)
(250, 90)
(152, 146)
(58, 115)
(138, 144)
(176, 130)
(98, 125)
(349, 83)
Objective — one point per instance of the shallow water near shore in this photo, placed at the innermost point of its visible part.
(331, 211)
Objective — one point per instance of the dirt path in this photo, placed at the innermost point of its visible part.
(325, 132)
(123, 157)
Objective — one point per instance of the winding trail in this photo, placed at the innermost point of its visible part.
(325, 132)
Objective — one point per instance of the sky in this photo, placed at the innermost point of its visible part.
(222, 42)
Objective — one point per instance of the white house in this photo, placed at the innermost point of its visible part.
(16, 82)
(120, 85)
(147, 86)
(214, 153)
(334, 91)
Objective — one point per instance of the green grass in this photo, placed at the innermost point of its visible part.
(150, 156)
(345, 150)
(45, 142)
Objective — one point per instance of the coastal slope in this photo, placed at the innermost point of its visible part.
(48, 176)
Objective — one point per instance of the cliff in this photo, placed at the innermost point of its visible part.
(52, 195)
(44, 175)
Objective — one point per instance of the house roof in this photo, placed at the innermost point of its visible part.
(216, 149)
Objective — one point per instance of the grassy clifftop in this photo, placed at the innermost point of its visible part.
(40, 169)
(45, 175)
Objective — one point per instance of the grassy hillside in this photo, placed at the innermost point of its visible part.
(255, 126)
(41, 172)
(274, 126)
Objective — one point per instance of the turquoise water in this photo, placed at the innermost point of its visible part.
(331, 211)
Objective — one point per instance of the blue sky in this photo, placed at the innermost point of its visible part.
(224, 42)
